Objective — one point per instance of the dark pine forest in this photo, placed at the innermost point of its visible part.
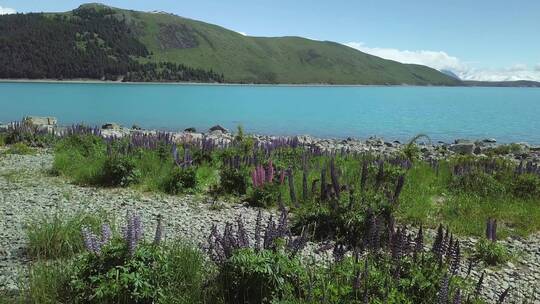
(90, 43)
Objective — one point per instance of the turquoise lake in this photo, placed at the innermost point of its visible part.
(443, 113)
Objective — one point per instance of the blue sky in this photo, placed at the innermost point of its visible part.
(478, 39)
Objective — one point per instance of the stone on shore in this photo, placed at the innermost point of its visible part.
(39, 121)
(465, 148)
(218, 128)
(111, 126)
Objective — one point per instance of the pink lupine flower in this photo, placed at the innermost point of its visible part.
(254, 178)
(270, 175)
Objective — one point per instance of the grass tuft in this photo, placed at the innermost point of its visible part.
(59, 235)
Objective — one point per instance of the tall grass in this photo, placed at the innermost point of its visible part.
(48, 283)
(430, 197)
(59, 235)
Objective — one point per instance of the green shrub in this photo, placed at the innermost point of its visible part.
(265, 196)
(341, 221)
(233, 181)
(526, 186)
(85, 145)
(181, 180)
(20, 149)
(58, 236)
(120, 170)
(506, 149)
(81, 158)
(479, 183)
(2, 140)
(417, 282)
(491, 253)
(260, 277)
(153, 274)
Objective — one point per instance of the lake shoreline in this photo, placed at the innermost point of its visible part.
(427, 149)
(93, 81)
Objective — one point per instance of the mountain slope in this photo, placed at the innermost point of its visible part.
(242, 59)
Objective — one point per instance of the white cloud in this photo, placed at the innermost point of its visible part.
(506, 74)
(437, 60)
(6, 10)
(442, 61)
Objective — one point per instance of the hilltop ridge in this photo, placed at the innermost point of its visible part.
(97, 41)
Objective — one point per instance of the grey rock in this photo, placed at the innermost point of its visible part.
(111, 126)
(40, 121)
(218, 128)
(462, 148)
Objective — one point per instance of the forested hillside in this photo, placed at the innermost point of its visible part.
(99, 42)
(86, 44)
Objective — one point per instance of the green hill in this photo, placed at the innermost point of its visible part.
(204, 48)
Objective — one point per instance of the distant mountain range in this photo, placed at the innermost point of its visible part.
(95, 41)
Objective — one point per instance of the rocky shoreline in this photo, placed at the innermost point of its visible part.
(521, 151)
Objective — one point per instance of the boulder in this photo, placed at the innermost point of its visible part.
(462, 148)
(489, 140)
(375, 141)
(111, 126)
(477, 150)
(218, 128)
(463, 141)
(40, 121)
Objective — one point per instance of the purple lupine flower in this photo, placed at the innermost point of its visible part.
(130, 237)
(323, 184)
(243, 239)
(175, 154)
(380, 175)
(258, 231)
(292, 192)
(90, 241)
(443, 292)
(399, 187)
(138, 227)
(334, 177)
(106, 233)
(159, 231)
(456, 258)
(457, 297)
(269, 233)
(133, 232)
